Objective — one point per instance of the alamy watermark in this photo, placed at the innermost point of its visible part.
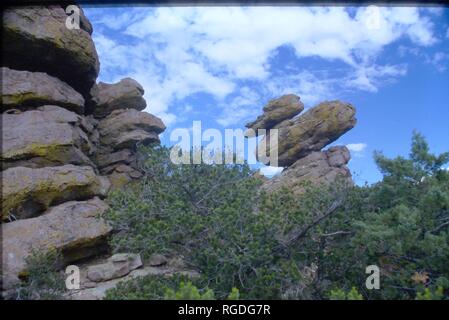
(72, 281)
(373, 280)
(190, 148)
(73, 17)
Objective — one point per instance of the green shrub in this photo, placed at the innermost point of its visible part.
(187, 291)
(177, 287)
(43, 279)
(339, 294)
(281, 245)
(145, 288)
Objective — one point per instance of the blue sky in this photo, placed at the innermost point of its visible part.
(221, 65)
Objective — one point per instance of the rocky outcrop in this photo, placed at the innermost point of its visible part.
(74, 228)
(276, 111)
(37, 39)
(27, 192)
(119, 133)
(94, 290)
(318, 167)
(127, 93)
(157, 260)
(23, 90)
(116, 266)
(125, 127)
(312, 130)
(300, 140)
(46, 136)
(62, 148)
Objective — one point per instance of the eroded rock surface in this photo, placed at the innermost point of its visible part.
(125, 94)
(24, 90)
(35, 38)
(276, 111)
(318, 167)
(27, 191)
(119, 123)
(312, 131)
(116, 266)
(300, 139)
(47, 136)
(74, 228)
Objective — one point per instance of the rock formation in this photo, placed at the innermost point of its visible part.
(301, 138)
(65, 140)
(276, 111)
(37, 39)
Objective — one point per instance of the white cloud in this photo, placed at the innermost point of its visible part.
(243, 107)
(175, 52)
(356, 147)
(270, 171)
(440, 60)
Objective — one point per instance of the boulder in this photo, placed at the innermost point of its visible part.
(157, 260)
(75, 228)
(24, 90)
(28, 192)
(123, 128)
(276, 111)
(125, 94)
(311, 131)
(47, 136)
(97, 290)
(117, 266)
(130, 139)
(122, 156)
(319, 167)
(36, 38)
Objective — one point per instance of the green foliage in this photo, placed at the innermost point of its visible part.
(187, 291)
(427, 294)
(43, 281)
(339, 294)
(177, 287)
(173, 204)
(400, 224)
(280, 245)
(145, 288)
(234, 295)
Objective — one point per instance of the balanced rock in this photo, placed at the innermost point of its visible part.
(36, 38)
(24, 90)
(47, 136)
(74, 228)
(27, 192)
(311, 131)
(276, 111)
(125, 94)
(319, 167)
(123, 128)
(117, 266)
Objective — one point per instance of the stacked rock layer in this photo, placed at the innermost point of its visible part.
(66, 141)
(301, 138)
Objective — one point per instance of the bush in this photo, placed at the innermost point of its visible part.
(145, 288)
(282, 245)
(43, 280)
(177, 287)
(339, 294)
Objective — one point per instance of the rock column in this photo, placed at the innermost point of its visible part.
(66, 141)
